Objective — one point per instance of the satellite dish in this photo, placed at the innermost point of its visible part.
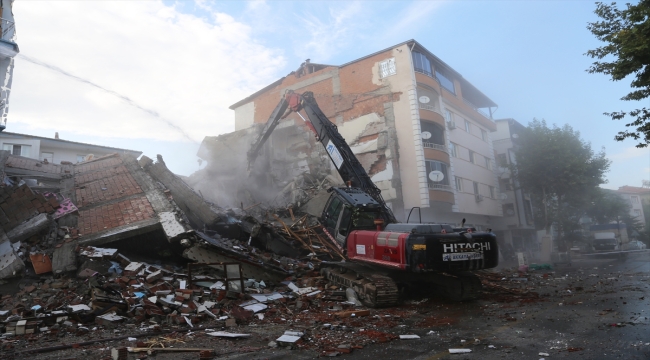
(510, 212)
(424, 99)
(504, 196)
(515, 136)
(426, 135)
(436, 176)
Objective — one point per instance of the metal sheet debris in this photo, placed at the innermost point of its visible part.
(41, 262)
(227, 334)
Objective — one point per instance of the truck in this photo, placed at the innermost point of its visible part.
(384, 259)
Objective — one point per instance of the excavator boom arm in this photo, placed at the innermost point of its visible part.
(327, 133)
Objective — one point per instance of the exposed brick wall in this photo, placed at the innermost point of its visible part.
(356, 97)
(105, 185)
(356, 78)
(113, 215)
(108, 196)
(98, 164)
(18, 204)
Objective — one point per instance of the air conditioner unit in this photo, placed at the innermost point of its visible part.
(451, 125)
(478, 198)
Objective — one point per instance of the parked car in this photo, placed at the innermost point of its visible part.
(636, 245)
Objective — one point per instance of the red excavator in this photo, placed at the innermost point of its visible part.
(384, 257)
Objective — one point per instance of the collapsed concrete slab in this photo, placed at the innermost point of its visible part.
(199, 212)
(10, 263)
(29, 228)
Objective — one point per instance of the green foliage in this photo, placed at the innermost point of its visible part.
(607, 206)
(560, 171)
(626, 33)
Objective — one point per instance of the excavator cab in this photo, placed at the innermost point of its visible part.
(350, 209)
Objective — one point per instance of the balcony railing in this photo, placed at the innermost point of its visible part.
(430, 108)
(479, 110)
(8, 30)
(423, 71)
(441, 187)
(430, 145)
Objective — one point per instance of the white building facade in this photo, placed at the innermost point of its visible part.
(55, 150)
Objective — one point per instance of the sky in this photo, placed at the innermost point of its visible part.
(159, 76)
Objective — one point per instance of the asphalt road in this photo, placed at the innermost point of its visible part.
(593, 309)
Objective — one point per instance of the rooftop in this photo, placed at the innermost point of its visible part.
(6, 134)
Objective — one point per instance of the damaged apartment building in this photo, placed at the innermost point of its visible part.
(420, 130)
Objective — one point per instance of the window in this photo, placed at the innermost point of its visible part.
(432, 133)
(332, 214)
(635, 199)
(488, 163)
(81, 158)
(508, 210)
(452, 149)
(47, 156)
(445, 82)
(504, 184)
(484, 135)
(467, 126)
(476, 188)
(19, 150)
(471, 157)
(387, 68)
(421, 63)
(502, 160)
(434, 169)
(492, 193)
(459, 184)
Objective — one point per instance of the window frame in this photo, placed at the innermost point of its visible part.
(492, 192)
(452, 149)
(419, 57)
(445, 81)
(459, 183)
(488, 163)
(484, 135)
(21, 147)
(472, 156)
(476, 189)
(468, 127)
(444, 168)
(387, 68)
(50, 159)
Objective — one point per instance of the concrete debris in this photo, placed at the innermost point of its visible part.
(227, 334)
(289, 337)
(460, 351)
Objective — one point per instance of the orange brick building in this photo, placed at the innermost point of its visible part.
(420, 129)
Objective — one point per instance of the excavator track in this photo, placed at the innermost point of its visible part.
(374, 290)
(465, 286)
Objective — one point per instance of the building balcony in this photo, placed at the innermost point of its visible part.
(428, 80)
(478, 110)
(441, 187)
(436, 152)
(429, 145)
(434, 116)
(441, 194)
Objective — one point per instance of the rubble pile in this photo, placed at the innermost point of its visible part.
(126, 247)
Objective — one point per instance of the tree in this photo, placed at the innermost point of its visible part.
(607, 207)
(626, 33)
(559, 170)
